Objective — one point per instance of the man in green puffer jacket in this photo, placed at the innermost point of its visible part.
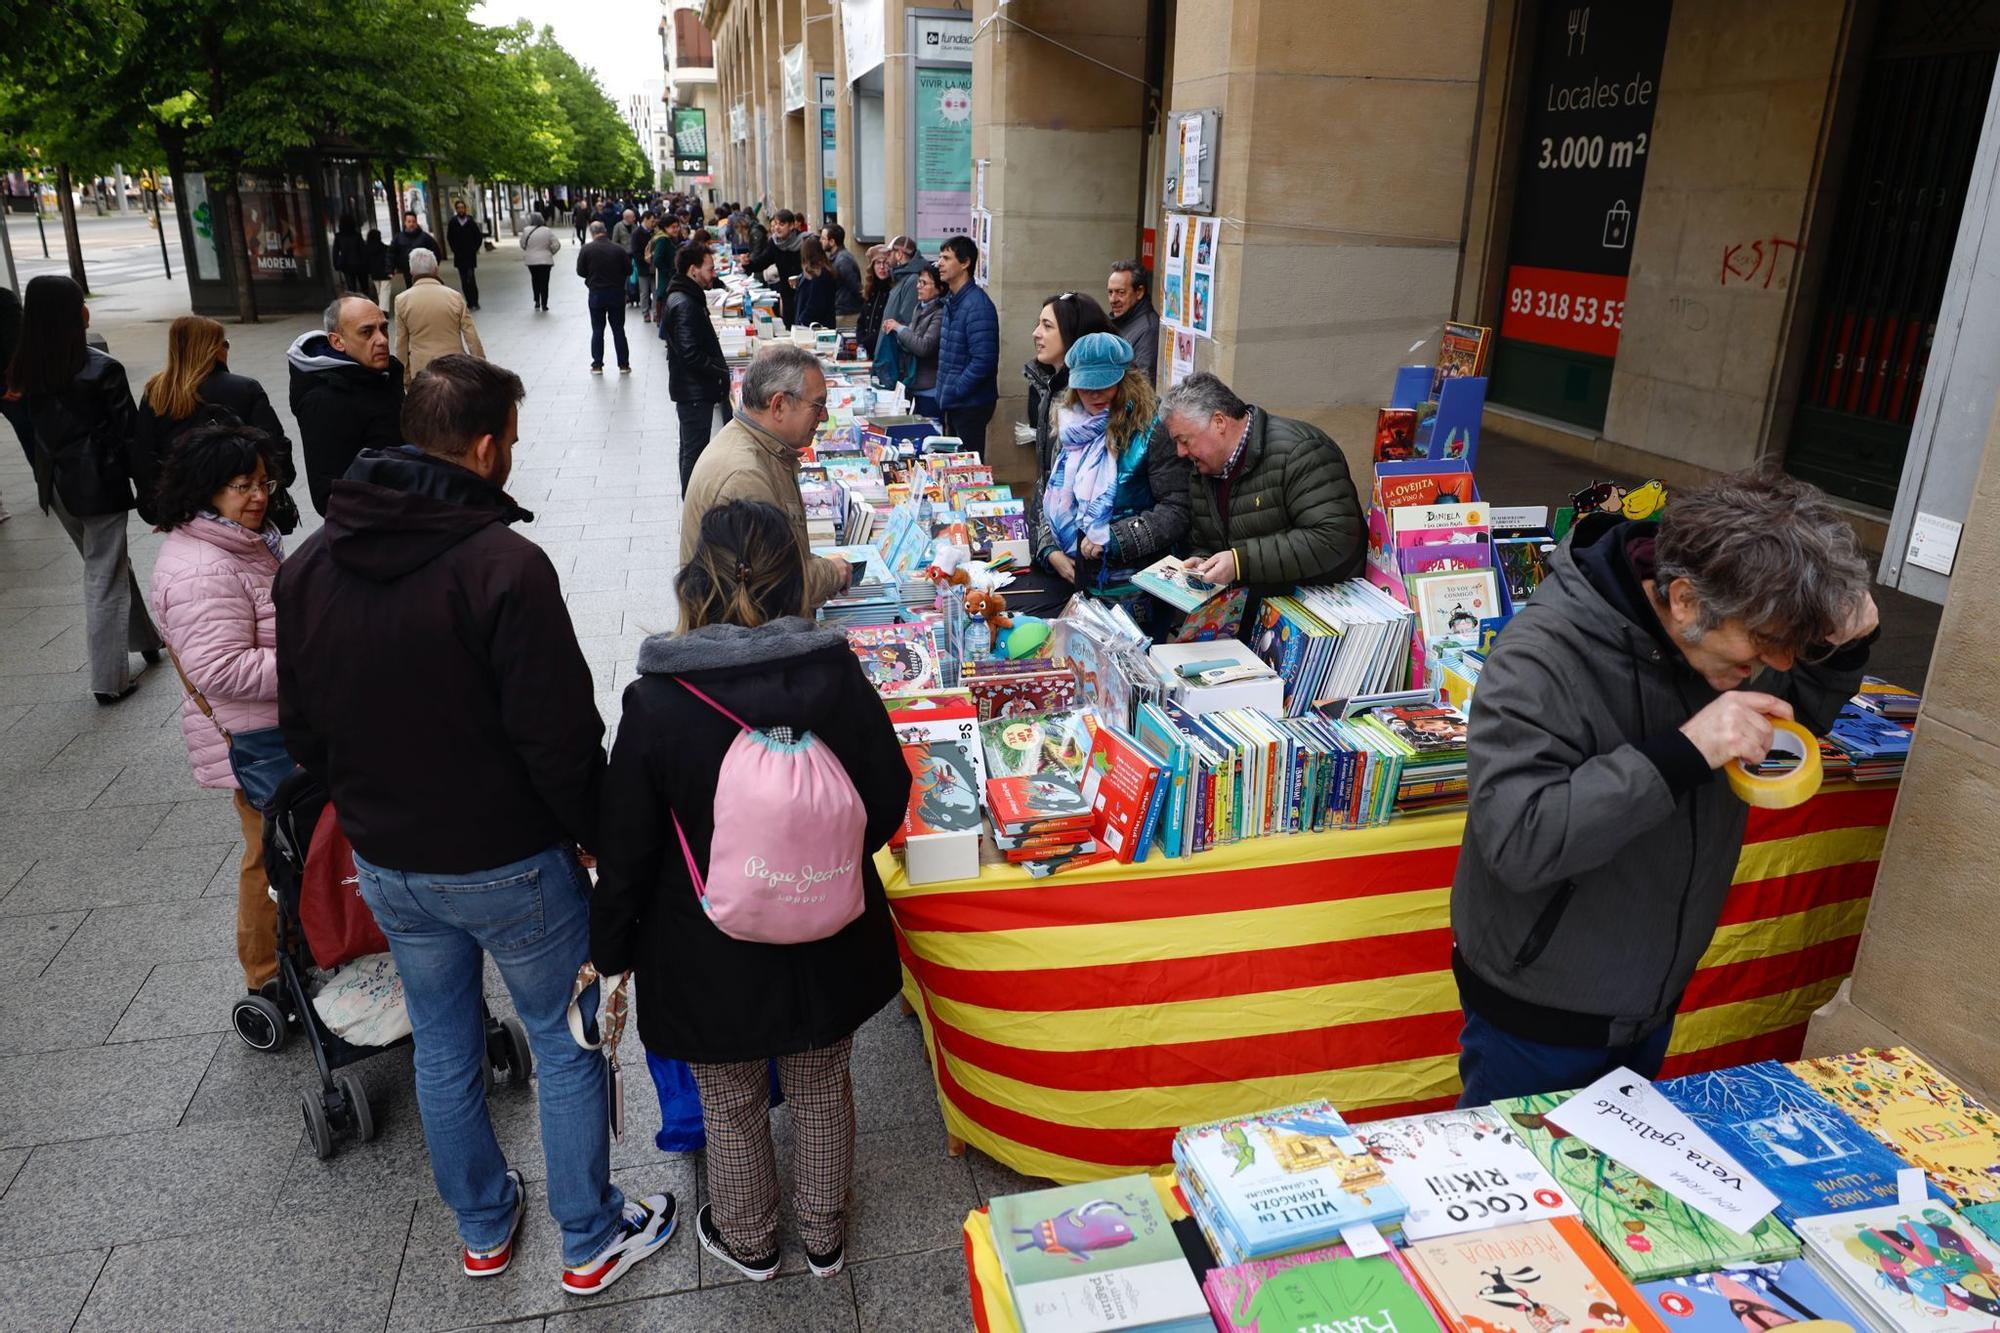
(1273, 505)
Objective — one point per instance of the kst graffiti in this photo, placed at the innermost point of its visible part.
(1754, 262)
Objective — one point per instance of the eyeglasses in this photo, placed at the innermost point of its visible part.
(252, 487)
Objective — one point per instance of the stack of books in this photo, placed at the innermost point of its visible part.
(1125, 786)
(1332, 642)
(1096, 1256)
(1924, 1117)
(1320, 1289)
(1041, 822)
(1868, 746)
(1432, 739)
(1530, 1277)
(1282, 1182)
(1879, 697)
(1459, 1170)
(939, 837)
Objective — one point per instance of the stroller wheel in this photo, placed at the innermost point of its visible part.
(520, 1058)
(318, 1129)
(358, 1115)
(260, 1023)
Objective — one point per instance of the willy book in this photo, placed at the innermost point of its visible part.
(1100, 1255)
(1931, 1122)
(1530, 1277)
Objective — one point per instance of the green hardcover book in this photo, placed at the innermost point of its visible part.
(1648, 1231)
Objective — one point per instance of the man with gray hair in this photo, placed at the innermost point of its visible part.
(756, 457)
(346, 390)
(1601, 841)
(432, 320)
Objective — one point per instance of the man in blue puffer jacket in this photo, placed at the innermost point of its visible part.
(968, 347)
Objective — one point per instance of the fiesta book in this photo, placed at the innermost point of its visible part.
(1322, 1289)
(1900, 1098)
(1912, 1268)
(1463, 1171)
(1100, 1255)
(1651, 1233)
(1530, 1277)
(1795, 1141)
(1752, 1299)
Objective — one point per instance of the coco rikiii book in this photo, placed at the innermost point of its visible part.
(1531, 1277)
(1100, 1255)
(1900, 1098)
(1651, 1233)
(1284, 1180)
(1463, 1171)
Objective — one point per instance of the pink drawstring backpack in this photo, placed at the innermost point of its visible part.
(784, 865)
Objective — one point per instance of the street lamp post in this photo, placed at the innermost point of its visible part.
(151, 187)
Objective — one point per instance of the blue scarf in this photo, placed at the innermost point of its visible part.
(1082, 483)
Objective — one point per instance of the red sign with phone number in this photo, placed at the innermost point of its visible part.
(1579, 312)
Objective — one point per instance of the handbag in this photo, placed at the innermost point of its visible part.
(613, 1003)
(338, 925)
(258, 758)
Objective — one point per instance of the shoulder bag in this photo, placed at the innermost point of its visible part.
(258, 758)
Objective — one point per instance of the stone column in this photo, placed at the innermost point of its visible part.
(1341, 177)
(1063, 141)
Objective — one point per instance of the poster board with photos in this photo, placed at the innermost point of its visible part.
(1186, 276)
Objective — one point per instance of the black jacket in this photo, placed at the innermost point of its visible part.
(710, 997)
(375, 253)
(463, 235)
(696, 369)
(407, 241)
(603, 265)
(79, 441)
(783, 256)
(350, 252)
(869, 327)
(223, 395)
(342, 407)
(429, 675)
(815, 300)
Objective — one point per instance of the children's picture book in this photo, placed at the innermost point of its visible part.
(1985, 1216)
(1751, 1299)
(944, 788)
(1462, 352)
(1285, 1180)
(1046, 801)
(898, 659)
(1100, 1255)
(1651, 1233)
(1396, 435)
(939, 715)
(1795, 1141)
(1323, 1289)
(1450, 605)
(1463, 1171)
(1427, 730)
(1931, 1122)
(1217, 618)
(1118, 781)
(1019, 694)
(1401, 485)
(1523, 563)
(1915, 1268)
(1530, 1277)
(1170, 580)
(1035, 743)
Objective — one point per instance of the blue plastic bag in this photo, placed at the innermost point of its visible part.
(680, 1103)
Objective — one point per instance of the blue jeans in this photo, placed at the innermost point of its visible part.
(533, 917)
(608, 305)
(1494, 1064)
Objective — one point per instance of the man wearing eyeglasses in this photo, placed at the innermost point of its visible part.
(756, 456)
(1601, 840)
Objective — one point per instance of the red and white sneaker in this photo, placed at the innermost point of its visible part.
(647, 1226)
(494, 1262)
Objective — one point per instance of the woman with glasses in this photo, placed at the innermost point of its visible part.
(918, 341)
(212, 593)
(197, 388)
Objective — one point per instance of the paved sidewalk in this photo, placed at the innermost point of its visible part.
(153, 1173)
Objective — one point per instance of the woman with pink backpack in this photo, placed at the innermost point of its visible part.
(754, 777)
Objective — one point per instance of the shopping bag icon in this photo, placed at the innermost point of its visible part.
(1617, 226)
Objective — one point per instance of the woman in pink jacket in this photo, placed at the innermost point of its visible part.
(211, 596)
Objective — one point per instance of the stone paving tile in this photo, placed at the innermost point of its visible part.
(195, 823)
(242, 1084)
(916, 1293)
(61, 789)
(79, 878)
(38, 1014)
(907, 1195)
(89, 835)
(786, 1305)
(433, 1294)
(182, 998)
(38, 1295)
(132, 1187)
(10, 1164)
(994, 1180)
(155, 781)
(29, 943)
(52, 1098)
(139, 935)
(311, 1270)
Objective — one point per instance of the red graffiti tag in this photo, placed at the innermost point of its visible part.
(1746, 260)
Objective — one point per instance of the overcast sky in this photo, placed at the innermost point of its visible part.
(620, 39)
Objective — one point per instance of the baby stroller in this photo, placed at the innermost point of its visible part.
(339, 1106)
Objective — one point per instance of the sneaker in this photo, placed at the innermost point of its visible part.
(624, 370)
(648, 1225)
(759, 1270)
(494, 1262)
(597, 370)
(826, 1265)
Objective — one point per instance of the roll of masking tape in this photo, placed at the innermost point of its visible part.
(1781, 791)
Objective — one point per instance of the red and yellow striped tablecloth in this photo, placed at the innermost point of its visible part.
(1073, 1023)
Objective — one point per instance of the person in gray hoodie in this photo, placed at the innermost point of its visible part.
(346, 391)
(909, 266)
(1601, 839)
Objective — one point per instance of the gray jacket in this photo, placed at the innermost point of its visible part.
(903, 296)
(1141, 328)
(919, 338)
(1590, 882)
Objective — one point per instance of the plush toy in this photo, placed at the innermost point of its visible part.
(991, 607)
(949, 561)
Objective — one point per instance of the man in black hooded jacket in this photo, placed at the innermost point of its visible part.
(697, 374)
(346, 391)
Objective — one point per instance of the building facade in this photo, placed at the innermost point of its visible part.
(693, 110)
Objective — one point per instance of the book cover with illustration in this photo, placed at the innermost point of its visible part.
(1429, 730)
(1285, 1180)
(1463, 1171)
(1170, 580)
(1020, 694)
(939, 715)
(944, 789)
(1100, 1255)
(1651, 1233)
(898, 659)
(1451, 605)
(1046, 801)
(1422, 483)
(1931, 1122)
(1916, 1268)
(1795, 1141)
(1530, 1277)
(1462, 352)
(1118, 781)
(1038, 742)
(1395, 435)
(1220, 617)
(1752, 1299)
(1321, 1289)
(1985, 1216)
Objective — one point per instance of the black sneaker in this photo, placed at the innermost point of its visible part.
(757, 1270)
(826, 1265)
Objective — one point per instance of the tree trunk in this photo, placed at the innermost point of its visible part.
(239, 252)
(66, 201)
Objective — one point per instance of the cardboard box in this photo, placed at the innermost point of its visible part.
(1265, 691)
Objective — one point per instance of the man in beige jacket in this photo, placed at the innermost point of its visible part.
(756, 457)
(431, 319)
